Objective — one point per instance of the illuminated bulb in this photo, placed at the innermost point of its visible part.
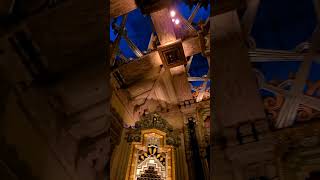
(177, 21)
(172, 13)
(173, 20)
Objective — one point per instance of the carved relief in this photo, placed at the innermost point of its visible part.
(154, 121)
(273, 103)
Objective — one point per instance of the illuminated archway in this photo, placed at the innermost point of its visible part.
(152, 150)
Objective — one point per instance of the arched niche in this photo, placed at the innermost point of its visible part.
(152, 153)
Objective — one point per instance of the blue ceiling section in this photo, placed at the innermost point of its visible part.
(185, 11)
(139, 29)
(198, 68)
(315, 72)
(277, 70)
(283, 24)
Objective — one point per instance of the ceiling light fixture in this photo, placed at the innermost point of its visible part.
(172, 13)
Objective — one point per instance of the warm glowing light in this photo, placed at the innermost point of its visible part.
(177, 21)
(172, 13)
(173, 20)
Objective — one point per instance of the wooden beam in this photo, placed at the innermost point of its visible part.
(168, 82)
(175, 79)
(304, 99)
(180, 83)
(121, 7)
(132, 46)
(269, 55)
(290, 107)
(266, 55)
(125, 59)
(249, 16)
(191, 46)
(189, 64)
(163, 26)
(130, 43)
(198, 78)
(146, 67)
(185, 28)
(194, 12)
(116, 43)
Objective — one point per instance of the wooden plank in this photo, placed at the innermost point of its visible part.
(121, 7)
(163, 26)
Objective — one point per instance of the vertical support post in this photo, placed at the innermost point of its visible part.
(234, 84)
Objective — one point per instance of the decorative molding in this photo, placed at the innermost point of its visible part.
(172, 54)
(274, 103)
(154, 121)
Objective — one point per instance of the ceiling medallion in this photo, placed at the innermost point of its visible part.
(172, 54)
